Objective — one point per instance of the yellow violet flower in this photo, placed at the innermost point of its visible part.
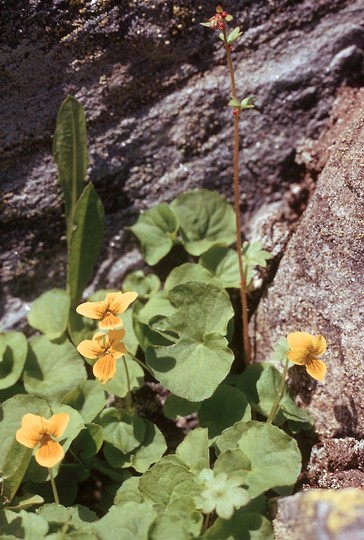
(304, 350)
(107, 310)
(107, 348)
(38, 430)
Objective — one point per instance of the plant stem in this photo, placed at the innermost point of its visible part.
(141, 363)
(54, 487)
(277, 401)
(242, 273)
(128, 397)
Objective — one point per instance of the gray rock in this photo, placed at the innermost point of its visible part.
(318, 286)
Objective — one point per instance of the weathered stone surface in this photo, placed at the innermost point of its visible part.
(318, 284)
(321, 515)
(154, 85)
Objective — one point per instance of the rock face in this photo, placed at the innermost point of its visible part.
(155, 86)
(317, 290)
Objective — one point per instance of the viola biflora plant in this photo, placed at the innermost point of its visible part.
(72, 429)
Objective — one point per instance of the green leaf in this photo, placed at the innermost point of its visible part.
(88, 398)
(223, 263)
(169, 526)
(144, 285)
(49, 313)
(274, 456)
(242, 526)
(76, 517)
(25, 501)
(15, 348)
(131, 520)
(118, 385)
(233, 463)
(166, 481)
(254, 255)
(130, 340)
(206, 219)
(175, 407)
(201, 353)
(233, 35)
(85, 241)
(122, 430)
(151, 449)
(70, 153)
(29, 525)
(225, 407)
(194, 450)
(89, 441)
(260, 382)
(184, 508)
(247, 103)
(189, 272)
(52, 369)
(129, 491)
(160, 304)
(156, 229)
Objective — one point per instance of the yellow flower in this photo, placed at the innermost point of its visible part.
(304, 350)
(38, 430)
(107, 310)
(107, 348)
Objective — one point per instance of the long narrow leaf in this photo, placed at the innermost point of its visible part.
(70, 154)
(86, 236)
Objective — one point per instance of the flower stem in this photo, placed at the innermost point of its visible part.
(141, 363)
(277, 401)
(129, 396)
(54, 487)
(242, 273)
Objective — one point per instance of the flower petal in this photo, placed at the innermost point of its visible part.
(91, 348)
(32, 430)
(49, 453)
(105, 368)
(319, 345)
(57, 424)
(93, 310)
(119, 302)
(110, 321)
(299, 340)
(317, 369)
(297, 356)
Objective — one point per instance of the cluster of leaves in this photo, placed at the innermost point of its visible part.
(182, 331)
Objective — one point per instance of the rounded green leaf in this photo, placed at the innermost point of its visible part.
(189, 272)
(156, 229)
(167, 480)
(144, 285)
(243, 525)
(49, 313)
(88, 398)
(201, 354)
(194, 450)
(175, 406)
(122, 430)
(151, 449)
(206, 219)
(225, 407)
(15, 348)
(31, 526)
(131, 520)
(274, 457)
(167, 526)
(223, 263)
(52, 369)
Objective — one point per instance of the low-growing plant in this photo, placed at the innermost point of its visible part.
(71, 429)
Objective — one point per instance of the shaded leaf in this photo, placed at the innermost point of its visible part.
(49, 313)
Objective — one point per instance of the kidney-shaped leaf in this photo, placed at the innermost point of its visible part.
(15, 347)
(197, 363)
(49, 313)
(206, 219)
(52, 369)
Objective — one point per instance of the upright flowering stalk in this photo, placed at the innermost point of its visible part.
(40, 432)
(303, 350)
(218, 22)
